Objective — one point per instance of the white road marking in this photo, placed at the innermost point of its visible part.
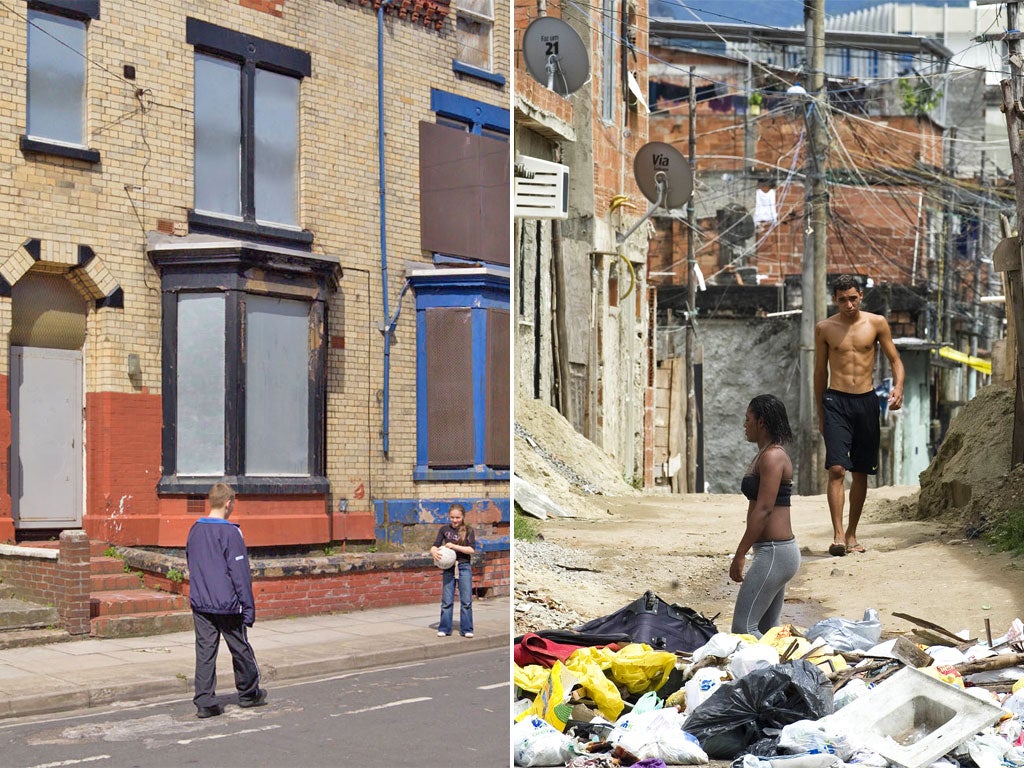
(381, 706)
(72, 762)
(226, 735)
(492, 686)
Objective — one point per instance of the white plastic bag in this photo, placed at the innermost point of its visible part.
(814, 736)
(720, 644)
(846, 635)
(700, 687)
(536, 742)
(658, 734)
(750, 657)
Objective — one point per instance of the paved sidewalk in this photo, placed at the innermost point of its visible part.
(96, 672)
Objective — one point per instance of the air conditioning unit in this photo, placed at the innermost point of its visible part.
(541, 189)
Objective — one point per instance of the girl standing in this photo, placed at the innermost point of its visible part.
(459, 537)
(768, 486)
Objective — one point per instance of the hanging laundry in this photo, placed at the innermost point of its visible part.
(764, 206)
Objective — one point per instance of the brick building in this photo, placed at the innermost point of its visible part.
(897, 216)
(583, 312)
(233, 250)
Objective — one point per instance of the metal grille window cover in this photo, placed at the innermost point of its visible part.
(449, 387)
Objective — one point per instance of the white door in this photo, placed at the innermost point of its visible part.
(46, 437)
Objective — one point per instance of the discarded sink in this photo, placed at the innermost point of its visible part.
(912, 719)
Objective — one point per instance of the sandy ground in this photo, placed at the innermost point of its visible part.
(613, 550)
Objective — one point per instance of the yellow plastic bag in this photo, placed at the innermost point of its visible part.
(552, 701)
(531, 677)
(588, 664)
(781, 638)
(946, 673)
(641, 668)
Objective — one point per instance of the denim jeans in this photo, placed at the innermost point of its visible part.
(465, 577)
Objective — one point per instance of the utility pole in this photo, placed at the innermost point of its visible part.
(946, 279)
(1014, 111)
(814, 276)
(694, 355)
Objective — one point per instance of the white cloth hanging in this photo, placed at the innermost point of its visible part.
(764, 207)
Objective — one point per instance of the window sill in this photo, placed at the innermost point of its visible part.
(277, 486)
(43, 147)
(214, 225)
(481, 74)
(476, 472)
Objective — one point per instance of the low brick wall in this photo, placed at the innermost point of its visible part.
(302, 586)
(52, 576)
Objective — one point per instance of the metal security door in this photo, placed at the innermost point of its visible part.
(46, 437)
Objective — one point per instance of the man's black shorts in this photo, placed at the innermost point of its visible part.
(851, 430)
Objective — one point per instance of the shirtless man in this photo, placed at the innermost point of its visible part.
(848, 410)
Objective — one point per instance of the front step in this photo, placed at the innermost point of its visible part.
(24, 638)
(122, 602)
(19, 614)
(139, 624)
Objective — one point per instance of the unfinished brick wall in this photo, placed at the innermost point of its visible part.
(61, 581)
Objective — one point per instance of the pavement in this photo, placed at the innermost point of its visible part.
(94, 672)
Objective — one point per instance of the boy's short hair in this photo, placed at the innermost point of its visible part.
(845, 283)
(220, 495)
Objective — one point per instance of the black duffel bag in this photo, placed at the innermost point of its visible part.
(651, 620)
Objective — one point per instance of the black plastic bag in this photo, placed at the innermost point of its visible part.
(651, 620)
(737, 714)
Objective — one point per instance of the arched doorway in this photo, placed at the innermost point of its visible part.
(47, 334)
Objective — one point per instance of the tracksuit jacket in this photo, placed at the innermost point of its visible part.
(218, 568)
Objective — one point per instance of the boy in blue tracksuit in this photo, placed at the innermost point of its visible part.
(220, 592)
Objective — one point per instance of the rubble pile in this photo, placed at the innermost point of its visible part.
(968, 478)
(563, 463)
(832, 694)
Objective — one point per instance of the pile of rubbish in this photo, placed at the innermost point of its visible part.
(655, 684)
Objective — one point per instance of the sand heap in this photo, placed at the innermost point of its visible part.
(969, 479)
(561, 462)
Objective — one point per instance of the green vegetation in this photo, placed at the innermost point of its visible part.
(524, 527)
(918, 97)
(175, 576)
(1007, 533)
(328, 550)
(111, 552)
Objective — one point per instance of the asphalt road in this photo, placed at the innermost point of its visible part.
(448, 712)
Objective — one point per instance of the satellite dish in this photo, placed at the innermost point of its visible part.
(660, 162)
(555, 55)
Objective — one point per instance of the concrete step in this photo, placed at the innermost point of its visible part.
(109, 582)
(105, 565)
(129, 601)
(24, 638)
(139, 624)
(20, 614)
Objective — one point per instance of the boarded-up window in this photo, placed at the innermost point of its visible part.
(464, 194)
(450, 387)
(496, 449)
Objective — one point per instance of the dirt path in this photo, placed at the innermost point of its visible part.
(681, 547)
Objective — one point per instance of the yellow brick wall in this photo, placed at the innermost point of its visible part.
(143, 131)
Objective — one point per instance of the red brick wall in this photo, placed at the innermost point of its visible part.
(62, 582)
(122, 432)
(6, 521)
(273, 7)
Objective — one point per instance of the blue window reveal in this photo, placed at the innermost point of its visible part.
(462, 374)
(478, 116)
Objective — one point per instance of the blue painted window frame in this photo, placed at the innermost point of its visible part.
(479, 290)
(477, 115)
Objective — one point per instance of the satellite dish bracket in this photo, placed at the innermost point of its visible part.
(661, 181)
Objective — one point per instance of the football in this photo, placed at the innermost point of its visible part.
(447, 559)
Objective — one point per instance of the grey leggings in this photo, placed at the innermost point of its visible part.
(759, 603)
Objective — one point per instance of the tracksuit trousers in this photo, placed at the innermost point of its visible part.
(209, 628)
